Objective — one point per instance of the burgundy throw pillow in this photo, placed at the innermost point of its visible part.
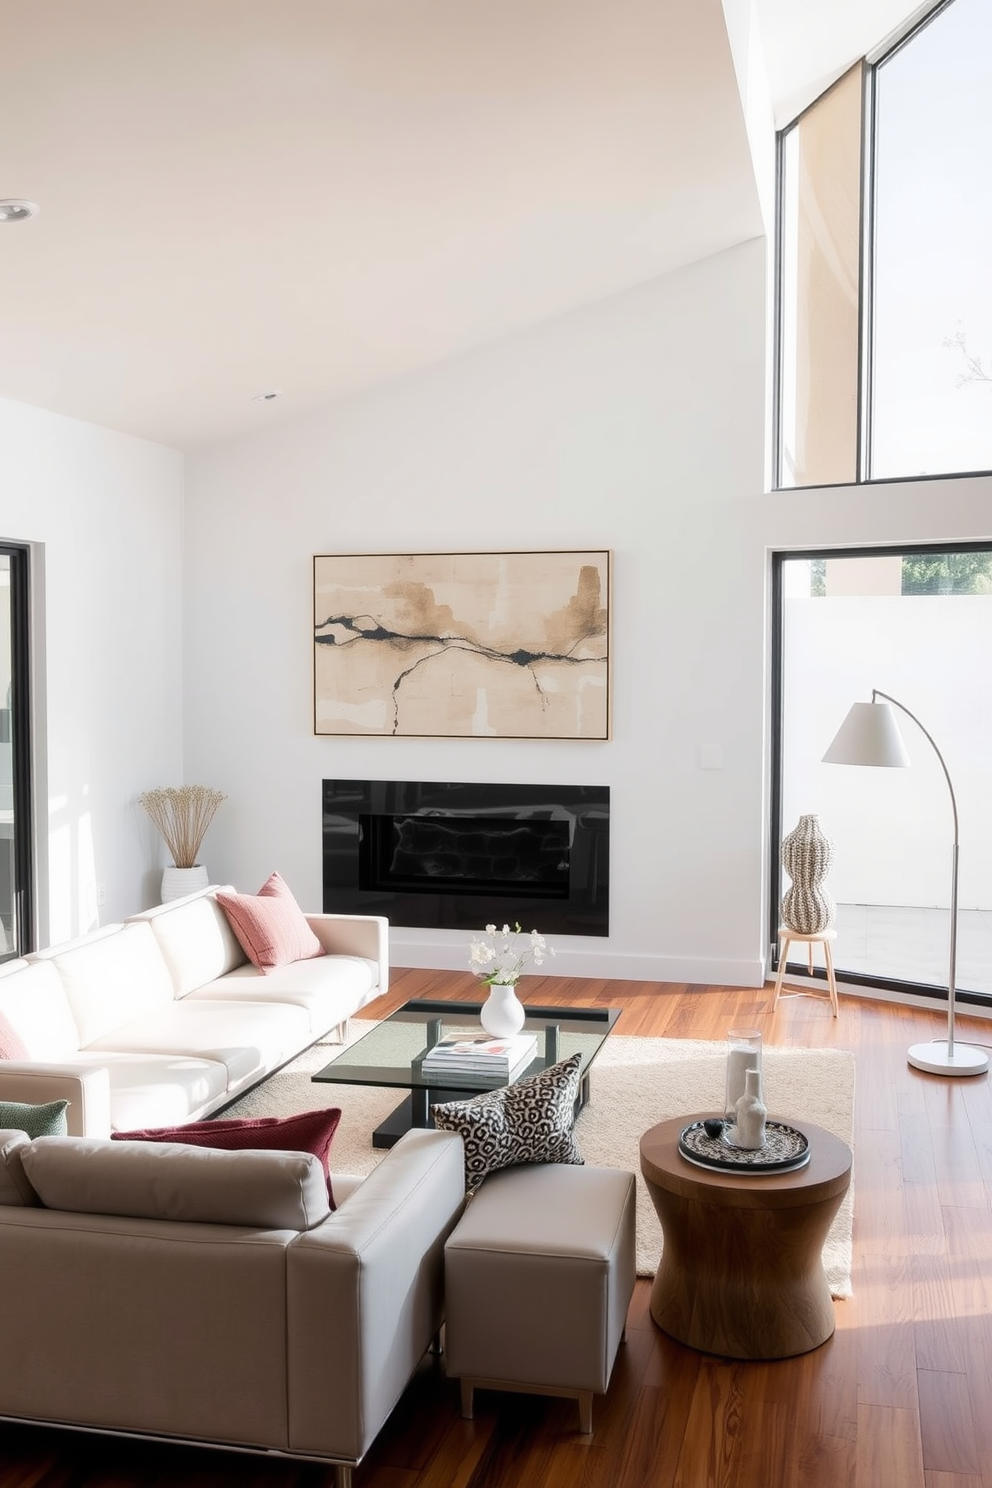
(12, 1046)
(270, 925)
(311, 1131)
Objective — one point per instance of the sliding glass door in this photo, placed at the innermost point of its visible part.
(916, 625)
(16, 917)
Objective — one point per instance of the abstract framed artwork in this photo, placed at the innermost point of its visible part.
(463, 645)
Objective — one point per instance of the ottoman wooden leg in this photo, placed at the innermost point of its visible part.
(585, 1412)
(468, 1399)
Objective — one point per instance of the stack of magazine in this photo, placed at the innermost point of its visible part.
(483, 1055)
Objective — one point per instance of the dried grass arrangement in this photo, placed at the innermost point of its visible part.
(182, 813)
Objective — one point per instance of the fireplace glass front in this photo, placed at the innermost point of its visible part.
(460, 855)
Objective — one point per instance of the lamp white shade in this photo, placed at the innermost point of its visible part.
(869, 735)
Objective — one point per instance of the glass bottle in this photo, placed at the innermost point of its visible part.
(743, 1053)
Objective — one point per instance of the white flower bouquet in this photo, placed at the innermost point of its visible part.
(498, 958)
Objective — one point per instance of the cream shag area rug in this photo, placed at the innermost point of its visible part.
(635, 1083)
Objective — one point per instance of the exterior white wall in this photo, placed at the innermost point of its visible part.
(893, 829)
(637, 425)
(105, 513)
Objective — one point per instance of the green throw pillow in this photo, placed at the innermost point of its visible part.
(37, 1121)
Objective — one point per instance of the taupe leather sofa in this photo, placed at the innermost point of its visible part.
(210, 1296)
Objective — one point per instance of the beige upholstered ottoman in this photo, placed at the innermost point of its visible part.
(538, 1276)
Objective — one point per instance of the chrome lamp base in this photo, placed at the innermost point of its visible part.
(937, 1060)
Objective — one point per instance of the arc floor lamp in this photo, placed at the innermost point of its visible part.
(870, 735)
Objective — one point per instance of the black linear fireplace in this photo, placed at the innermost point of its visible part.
(460, 856)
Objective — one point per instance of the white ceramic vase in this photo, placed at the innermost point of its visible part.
(751, 1113)
(178, 882)
(502, 1012)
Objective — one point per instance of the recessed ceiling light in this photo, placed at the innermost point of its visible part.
(267, 397)
(14, 209)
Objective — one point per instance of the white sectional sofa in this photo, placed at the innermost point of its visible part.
(163, 1019)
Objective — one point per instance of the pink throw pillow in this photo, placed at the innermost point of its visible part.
(12, 1046)
(311, 1131)
(270, 925)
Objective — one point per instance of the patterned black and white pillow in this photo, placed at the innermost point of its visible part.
(529, 1122)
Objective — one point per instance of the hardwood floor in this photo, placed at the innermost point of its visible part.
(900, 1397)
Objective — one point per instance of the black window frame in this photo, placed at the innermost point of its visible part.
(779, 558)
(871, 63)
(18, 556)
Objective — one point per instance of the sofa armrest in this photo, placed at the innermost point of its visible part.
(355, 935)
(364, 1295)
(85, 1087)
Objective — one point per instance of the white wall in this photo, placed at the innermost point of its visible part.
(636, 425)
(105, 511)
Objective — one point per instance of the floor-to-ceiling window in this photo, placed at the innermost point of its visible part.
(916, 625)
(884, 283)
(16, 918)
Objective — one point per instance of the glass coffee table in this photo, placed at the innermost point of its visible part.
(392, 1054)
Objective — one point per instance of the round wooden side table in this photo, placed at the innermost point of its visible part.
(741, 1273)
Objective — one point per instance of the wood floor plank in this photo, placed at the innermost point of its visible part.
(924, 1218)
(954, 1480)
(889, 1449)
(649, 1453)
(936, 1329)
(947, 1428)
(711, 1447)
(977, 1345)
(885, 1340)
(826, 1462)
(878, 1190)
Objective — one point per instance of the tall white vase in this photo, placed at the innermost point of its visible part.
(178, 882)
(502, 1012)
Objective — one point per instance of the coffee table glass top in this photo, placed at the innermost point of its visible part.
(391, 1054)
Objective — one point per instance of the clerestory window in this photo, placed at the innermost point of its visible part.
(884, 304)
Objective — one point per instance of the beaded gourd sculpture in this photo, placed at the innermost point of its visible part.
(807, 856)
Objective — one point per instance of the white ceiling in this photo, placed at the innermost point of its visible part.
(317, 195)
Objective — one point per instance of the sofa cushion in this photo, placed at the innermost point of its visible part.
(196, 940)
(249, 1038)
(147, 1088)
(529, 1122)
(270, 925)
(202, 1185)
(15, 1190)
(311, 1131)
(331, 988)
(111, 978)
(34, 1002)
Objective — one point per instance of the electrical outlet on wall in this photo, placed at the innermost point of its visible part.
(101, 895)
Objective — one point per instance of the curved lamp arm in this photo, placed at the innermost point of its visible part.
(875, 693)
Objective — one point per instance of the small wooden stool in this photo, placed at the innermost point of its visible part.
(786, 938)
